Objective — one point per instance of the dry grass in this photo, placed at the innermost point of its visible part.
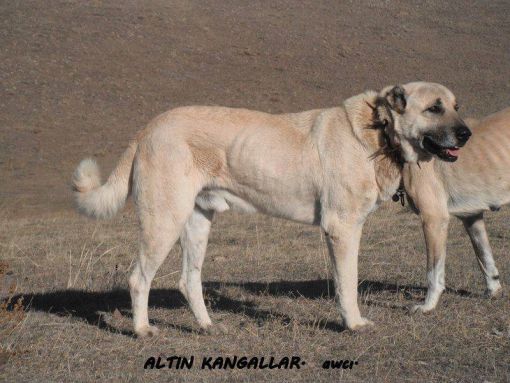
(72, 274)
(12, 313)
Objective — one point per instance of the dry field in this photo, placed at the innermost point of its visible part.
(79, 78)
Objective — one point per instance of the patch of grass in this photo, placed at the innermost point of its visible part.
(271, 288)
(12, 314)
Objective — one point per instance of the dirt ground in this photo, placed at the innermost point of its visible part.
(79, 78)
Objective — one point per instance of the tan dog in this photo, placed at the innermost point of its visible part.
(477, 182)
(328, 167)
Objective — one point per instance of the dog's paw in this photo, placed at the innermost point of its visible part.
(361, 325)
(147, 331)
(420, 309)
(214, 329)
(494, 293)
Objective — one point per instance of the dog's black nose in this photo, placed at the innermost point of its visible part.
(462, 133)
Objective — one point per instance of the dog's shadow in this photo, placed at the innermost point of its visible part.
(91, 306)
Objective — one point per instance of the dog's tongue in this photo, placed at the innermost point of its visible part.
(453, 152)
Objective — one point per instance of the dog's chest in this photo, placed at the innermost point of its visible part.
(388, 176)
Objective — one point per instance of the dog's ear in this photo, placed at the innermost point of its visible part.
(396, 98)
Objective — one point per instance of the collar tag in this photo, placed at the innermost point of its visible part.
(399, 196)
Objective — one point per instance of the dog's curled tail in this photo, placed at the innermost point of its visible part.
(103, 201)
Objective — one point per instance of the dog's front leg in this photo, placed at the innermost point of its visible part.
(435, 229)
(343, 243)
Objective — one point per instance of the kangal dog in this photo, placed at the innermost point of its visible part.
(477, 182)
(328, 167)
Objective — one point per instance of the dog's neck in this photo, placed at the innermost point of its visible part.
(383, 121)
(372, 121)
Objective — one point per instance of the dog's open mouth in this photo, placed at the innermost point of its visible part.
(446, 153)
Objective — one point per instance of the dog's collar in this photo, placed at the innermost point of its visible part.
(400, 194)
(388, 149)
(382, 122)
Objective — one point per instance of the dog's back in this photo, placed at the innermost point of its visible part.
(480, 179)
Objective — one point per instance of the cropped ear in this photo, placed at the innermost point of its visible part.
(396, 98)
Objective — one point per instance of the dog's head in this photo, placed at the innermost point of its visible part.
(423, 120)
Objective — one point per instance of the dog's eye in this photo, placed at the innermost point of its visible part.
(436, 109)
(456, 107)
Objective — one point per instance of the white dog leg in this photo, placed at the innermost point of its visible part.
(436, 231)
(152, 255)
(184, 273)
(343, 244)
(194, 243)
(475, 227)
(206, 202)
(436, 286)
(162, 213)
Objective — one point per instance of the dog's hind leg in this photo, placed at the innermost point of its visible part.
(156, 243)
(194, 243)
(475, 228)
(163, 211)
(183, 281)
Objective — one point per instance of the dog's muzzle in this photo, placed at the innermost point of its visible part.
(446, 147)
